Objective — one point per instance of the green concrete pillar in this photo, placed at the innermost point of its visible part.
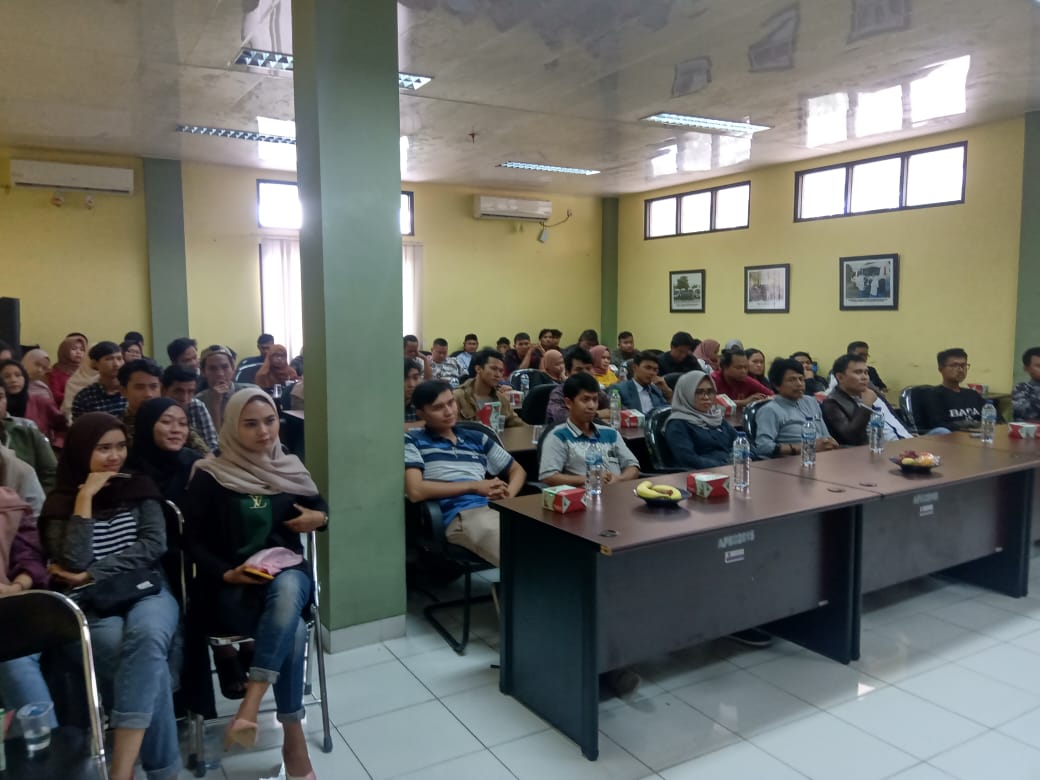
(167, 270)
(609, 273)
(1027, 325)
(348, 130)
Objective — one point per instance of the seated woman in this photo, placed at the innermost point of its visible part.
(159, 452)
(22, 567)
(254, 497)
(71, 353)
(601, 369)
(552, 365)
(696, 432)
(757, 367)
(813, 383)
(276, 369)
(707, 354)
(100, 524)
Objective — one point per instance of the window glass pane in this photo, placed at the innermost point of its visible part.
(279, 205)
(661, 217)
(696, 212)
(731, 207)
(875, 185)
(407, 226)
(822, 194)
(935, 177)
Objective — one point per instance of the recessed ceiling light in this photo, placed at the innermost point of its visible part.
(706, 123)
(283, 63)
(238, 135)
(526, 166)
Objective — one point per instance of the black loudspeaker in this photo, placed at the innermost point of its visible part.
(10, 322)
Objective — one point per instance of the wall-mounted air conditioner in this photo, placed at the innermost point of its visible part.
(66, 176)
(517, 209)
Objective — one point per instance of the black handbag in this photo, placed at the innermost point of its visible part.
(116, 594)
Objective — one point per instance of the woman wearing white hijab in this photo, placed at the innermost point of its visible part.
(696, 432)
(254, 497)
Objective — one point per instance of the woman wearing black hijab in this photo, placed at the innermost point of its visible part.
(159, 451)
(101, 524)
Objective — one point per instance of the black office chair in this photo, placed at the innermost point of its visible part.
(672, 378)
(247, 373)
(535, 376)
(660, 455)
(37, 621)
(750, 413)
(912, 405)
(536, 404)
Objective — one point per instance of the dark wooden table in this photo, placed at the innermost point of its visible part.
(969, 517)
(593, 591)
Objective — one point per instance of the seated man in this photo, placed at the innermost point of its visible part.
(25, 440)
(626, 349)
(813, 383)
(484, 388)
(862, 349)
(575, 361)
(502, 345)
(451, 465)
(522, 355)
(131, 351)
(184, 352)
(679, 358)
(646, 390)
(587, 340)
(443, 367)
(733, 380)
(1025, 398)
(104, 395)
(218, 367)
(778, 424)
(411, 350)
(470, 344)
(411, 381)
(546, 340)
(849, 406)
(949, 405)
(264, 345)
(180, 384)
(563, 452)
(140, 381)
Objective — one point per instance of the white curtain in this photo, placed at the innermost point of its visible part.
(281, 293)
(411, 288)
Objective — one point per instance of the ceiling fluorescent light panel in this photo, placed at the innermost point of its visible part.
(526, 166)
(279, 62)
(706, 123)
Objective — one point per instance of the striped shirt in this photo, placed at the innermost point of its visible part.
(471, 457)
(114, 534)
(563, 451)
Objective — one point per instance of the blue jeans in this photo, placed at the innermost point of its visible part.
(131, 654)
(280, 641)
(21, 683)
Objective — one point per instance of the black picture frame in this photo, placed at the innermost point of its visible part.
(868, 283)
(687, 291)
(767, 289)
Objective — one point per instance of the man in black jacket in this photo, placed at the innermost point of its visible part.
(848, 408)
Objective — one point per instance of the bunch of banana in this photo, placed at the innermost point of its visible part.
(646, 489)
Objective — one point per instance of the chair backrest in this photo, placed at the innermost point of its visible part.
(672, 378)
(536, 404)
(912, 404)
(660, 455)
(530, 373)
(247, 373)
(750, 412)
(541, 441)
(476, 425)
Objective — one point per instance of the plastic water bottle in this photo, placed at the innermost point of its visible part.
(615, 409)
(876, 432)
(741, 462)
(593, 470)
(989, 422)
(497, 420)
(622, 373)
(525, 384)
(809, 443)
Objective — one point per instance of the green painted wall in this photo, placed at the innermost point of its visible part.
(347, 120)
(609, 273)
(167, 272)
(1027, 324)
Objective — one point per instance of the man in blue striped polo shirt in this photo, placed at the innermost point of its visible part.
(451, 465)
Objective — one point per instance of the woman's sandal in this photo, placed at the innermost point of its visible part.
(241, 732)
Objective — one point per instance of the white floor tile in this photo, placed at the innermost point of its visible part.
(349, 660)
(682, 668)
(744, 703)
(1027, 605)
(1030, 642)
(419, 637)
(639, 698)
(446, 672)
(1009, 664)
(939, 637)
(409, 739)
(744, 656)
(922, 772)
(551, 756)
(372, 691)
(1025, 728)
(816, 679)
(340, 763)
(823, 747)
(742, 761)
(914, 725)
(907, 599)
(476, 766)
(971, 695)
(492, 716)
(987, 619)
(667, 733)
(990, 756)
(890, 659)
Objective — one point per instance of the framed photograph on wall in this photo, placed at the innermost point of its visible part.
(767, 288)
(869, 282)
(686, 290)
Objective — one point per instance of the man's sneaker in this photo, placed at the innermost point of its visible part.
(752, 637)
(622, 682)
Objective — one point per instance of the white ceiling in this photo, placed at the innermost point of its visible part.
(554, 81)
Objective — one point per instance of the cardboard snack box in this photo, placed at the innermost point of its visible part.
(632, 418)
(705, 484)
(563, 499)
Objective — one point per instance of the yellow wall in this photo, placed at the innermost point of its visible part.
(958, 269)
(74, 268)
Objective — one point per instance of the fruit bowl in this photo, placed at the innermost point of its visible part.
(660, 495)
(664, 500)
(912, 462)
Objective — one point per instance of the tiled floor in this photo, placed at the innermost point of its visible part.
(948, 687)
